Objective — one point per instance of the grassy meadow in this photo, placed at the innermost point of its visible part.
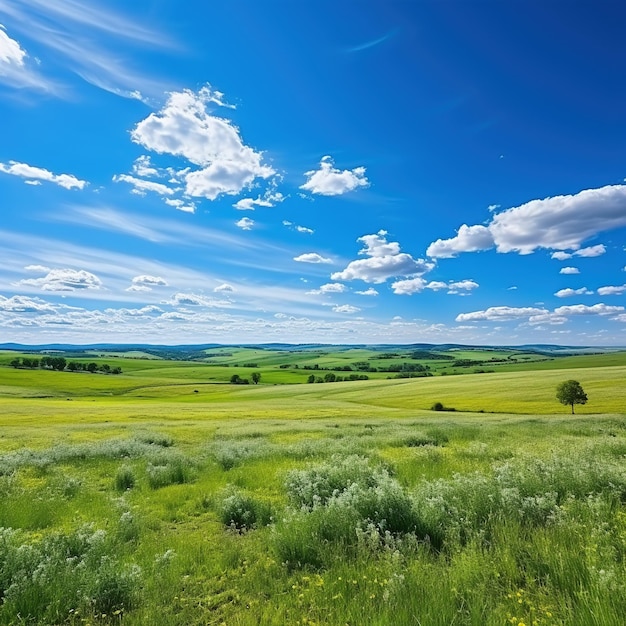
(165, 495)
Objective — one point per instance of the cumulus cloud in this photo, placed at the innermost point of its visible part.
(591, 251)
(568, 293)
(330, 181)
(368, 292)
(583, 309)
(409, 287)
(468, 239)
(23, 304)
(11, 52)
(35, 174)
(146, 282)
(561, 256)
(500, 313)
(194, 300)
(224, 288)
(329, 288)
(185, 128)
(416, 285)
(612, 290)
(384, 261)
(558, 223)
(270, 199)
(64, 280)
(181, 205)
(346, 308)
(245, 223)
(569, 270)
(312, 257)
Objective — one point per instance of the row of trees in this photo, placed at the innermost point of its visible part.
(235, 379)
(60, 364)
(331, 377)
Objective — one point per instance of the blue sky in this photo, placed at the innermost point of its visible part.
(338, 172)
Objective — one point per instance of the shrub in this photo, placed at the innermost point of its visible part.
(175, 471)
(42, 582)
(241, 511)
(125, 478)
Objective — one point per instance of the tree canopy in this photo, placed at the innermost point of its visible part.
(570, 392)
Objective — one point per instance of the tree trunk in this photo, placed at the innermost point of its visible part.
(572, 408)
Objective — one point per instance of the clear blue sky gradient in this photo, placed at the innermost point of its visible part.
(340, 172)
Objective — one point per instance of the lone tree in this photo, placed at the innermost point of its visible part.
(571, 392)
(256, 377)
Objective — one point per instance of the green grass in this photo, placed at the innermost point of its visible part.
(157, 496)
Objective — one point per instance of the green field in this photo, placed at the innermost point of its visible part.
(165, 495)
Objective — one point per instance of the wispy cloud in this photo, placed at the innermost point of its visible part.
(79, 36)
(373, 42)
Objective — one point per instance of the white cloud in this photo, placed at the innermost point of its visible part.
(141, 186)
(493, 207)
(377, 245)
(64, 280)
(346, 308)
(23, 304)
(468, 239)
(547, 318)
(190, 299)
(500, 313)
(329, 181)
(330, 288)
(31, 173)
(300, 229)
(591, 251)
(181, 205)
(408, 287)
(270, 199)
(312, 257)
(561, 256)
(11, 52)
(582, 309)
(384, 261)
(37, 268)
(462, 286)
(416, 285)
(568, 293)
(368, 292)
(224, 288)
(245, 223)
(559, 222)
(89, 41)
(14, 69)
(146, 282)
(138, 289)
(184, 128)
(569, 270)
(143, 167)
(612, 291)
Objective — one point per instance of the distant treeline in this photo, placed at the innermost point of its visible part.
(364, 366)
(60, 364)
(333, 378)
